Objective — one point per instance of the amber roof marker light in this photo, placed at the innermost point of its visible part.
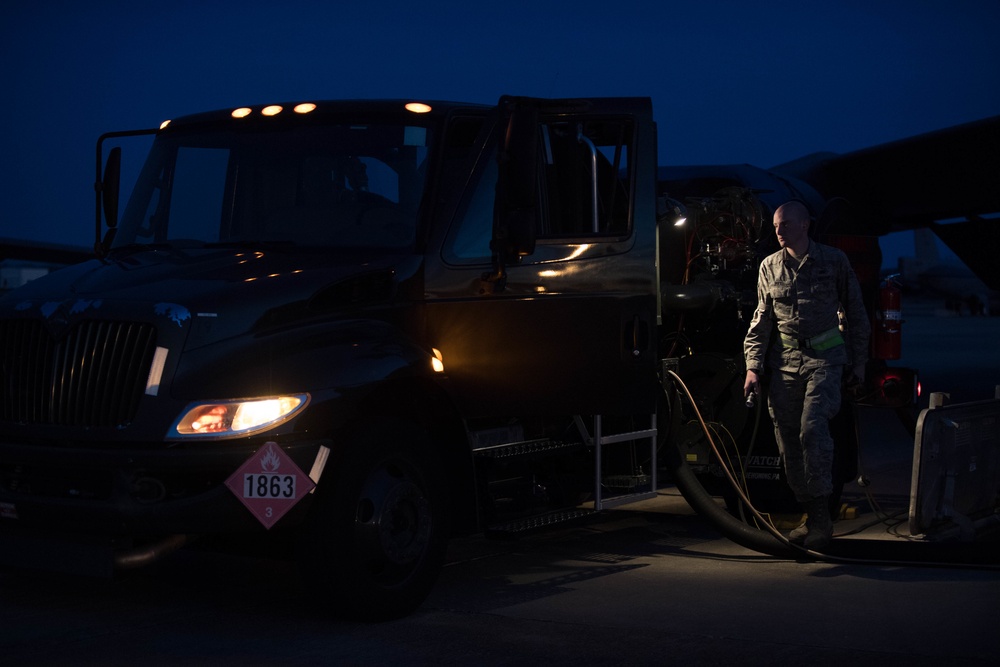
(242, 112)
(418, 107)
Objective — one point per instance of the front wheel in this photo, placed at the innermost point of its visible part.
(375, 539)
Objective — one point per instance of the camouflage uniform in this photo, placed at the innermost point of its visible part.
(794, 336)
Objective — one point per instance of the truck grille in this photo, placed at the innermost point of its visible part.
(92, 376)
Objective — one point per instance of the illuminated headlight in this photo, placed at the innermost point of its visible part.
(228, 419)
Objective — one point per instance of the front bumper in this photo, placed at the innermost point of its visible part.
(134, 492)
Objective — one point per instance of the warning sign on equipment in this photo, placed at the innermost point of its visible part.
(269, 484)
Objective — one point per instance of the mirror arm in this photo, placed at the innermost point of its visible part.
(100, 187)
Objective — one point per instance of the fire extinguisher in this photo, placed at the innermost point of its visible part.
(887, 338)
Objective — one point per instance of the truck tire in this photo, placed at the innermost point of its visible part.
(375, 540)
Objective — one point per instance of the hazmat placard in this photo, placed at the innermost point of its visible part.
(269, 484)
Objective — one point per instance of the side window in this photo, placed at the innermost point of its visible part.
(570, 153)
(471, 239)
(576, 154)
(468, 240)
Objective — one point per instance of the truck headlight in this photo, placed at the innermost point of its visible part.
(238, 417)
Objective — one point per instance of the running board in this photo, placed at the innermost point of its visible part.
(538, 521)
(526, 448)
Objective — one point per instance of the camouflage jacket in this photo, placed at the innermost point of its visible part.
(801, 301)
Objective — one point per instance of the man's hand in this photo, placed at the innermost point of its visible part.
(752, 384)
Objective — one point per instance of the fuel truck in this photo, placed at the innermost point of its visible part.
(362, 327)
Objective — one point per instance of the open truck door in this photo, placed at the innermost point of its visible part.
(550, 256)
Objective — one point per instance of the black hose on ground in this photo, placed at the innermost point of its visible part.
(705, 505)
(731, 528)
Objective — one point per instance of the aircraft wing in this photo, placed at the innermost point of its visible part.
(950, 174)
(40, 251)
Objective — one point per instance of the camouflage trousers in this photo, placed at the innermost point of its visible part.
(801, 405)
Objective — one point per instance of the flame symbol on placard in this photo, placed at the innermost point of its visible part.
(270, 461)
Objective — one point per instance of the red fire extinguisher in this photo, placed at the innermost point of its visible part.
(887, 338)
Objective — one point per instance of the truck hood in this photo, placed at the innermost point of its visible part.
(216, 293)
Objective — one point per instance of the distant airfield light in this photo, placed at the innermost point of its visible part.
(418, 107)
(164, 124)
(272, 110)
(242, 112)
(305, 107)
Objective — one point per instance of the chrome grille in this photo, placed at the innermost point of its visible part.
(94, 375)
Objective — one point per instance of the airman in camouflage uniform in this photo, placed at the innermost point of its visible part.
(795, 336)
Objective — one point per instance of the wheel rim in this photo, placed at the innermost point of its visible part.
(392, 522)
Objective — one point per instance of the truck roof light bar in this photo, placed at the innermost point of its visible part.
(274, 110)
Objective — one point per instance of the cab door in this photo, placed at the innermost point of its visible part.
(541, 294)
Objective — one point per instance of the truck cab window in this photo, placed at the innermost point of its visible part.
(471, 238)
(565, 190)
(197, 193)
(334, 186)
(573, 152)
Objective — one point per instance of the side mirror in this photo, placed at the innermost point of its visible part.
(110, 187)
(108, 190)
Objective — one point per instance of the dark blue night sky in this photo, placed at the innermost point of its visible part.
(731, 81)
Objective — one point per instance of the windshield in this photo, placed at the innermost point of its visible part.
(334, 186)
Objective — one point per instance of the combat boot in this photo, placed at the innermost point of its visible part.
(819, 524)
(798, 534)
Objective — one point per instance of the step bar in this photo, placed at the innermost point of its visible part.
(599, 440)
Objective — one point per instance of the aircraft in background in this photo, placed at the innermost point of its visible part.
(927, 273)
(22, 260)
(41, 251)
